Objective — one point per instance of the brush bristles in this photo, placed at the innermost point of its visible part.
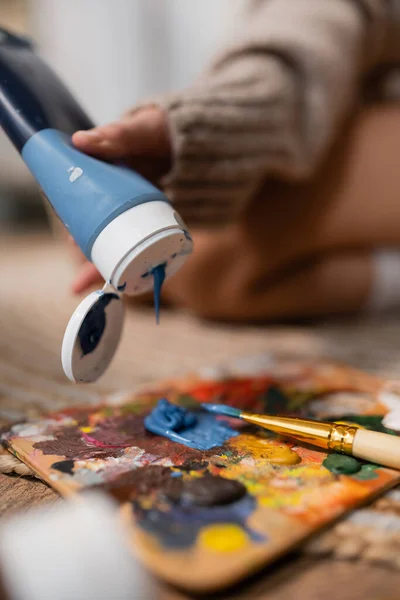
(222, 409)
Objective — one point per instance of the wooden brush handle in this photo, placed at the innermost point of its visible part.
(378, 448)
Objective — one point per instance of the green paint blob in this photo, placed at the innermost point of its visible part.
(339, 464)
(275, 401)
(367, 472)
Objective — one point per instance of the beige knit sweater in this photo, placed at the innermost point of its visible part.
(272, 103)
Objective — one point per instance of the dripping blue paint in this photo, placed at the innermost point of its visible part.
(179, 526)
(94, 324)
(159, 277)
(198, 430)
(158, 274)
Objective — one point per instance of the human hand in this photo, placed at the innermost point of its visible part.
(141, 141)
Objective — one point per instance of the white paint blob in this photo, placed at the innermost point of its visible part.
(392, 420)
(390, 398)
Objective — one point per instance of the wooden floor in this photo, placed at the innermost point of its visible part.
(35, 305)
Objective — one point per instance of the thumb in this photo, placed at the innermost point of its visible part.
(143, 133)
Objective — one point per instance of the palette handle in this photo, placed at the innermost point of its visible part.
(379, 448)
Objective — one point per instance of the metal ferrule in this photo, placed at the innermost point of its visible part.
(342, 437)
(331, 436)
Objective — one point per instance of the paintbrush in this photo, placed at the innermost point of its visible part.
(374, 447)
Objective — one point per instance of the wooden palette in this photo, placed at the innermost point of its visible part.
(170, 495)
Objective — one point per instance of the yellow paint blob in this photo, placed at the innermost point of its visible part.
(87, 429)
(195, 474)
(312, 472)
(259, 447)
(223, 538)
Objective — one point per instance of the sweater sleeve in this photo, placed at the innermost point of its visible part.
(271, 103)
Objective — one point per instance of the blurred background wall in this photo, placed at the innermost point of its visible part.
(111, 53)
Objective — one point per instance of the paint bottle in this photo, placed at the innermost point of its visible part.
(122, 223)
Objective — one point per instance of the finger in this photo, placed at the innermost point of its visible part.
(87, 276)
(152, 168)
(143, 133)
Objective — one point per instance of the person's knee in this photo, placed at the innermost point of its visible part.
(208, 297)
(215, 283)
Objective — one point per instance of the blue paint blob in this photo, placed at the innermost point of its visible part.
(196, 430)
(121, 288)
(158, 273)
(178, 527)
(222, 409)
(171, 416)
(94, 324)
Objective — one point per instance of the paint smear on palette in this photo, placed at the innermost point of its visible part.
(179, 527)
(198, 507)
(254, 493)
(195, 429)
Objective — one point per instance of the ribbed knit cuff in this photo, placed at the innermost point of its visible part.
(228, 133)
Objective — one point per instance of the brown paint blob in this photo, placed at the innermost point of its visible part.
(68, 442)
(140, 482)
(111, 436)
(210, 490)
(194, 465)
